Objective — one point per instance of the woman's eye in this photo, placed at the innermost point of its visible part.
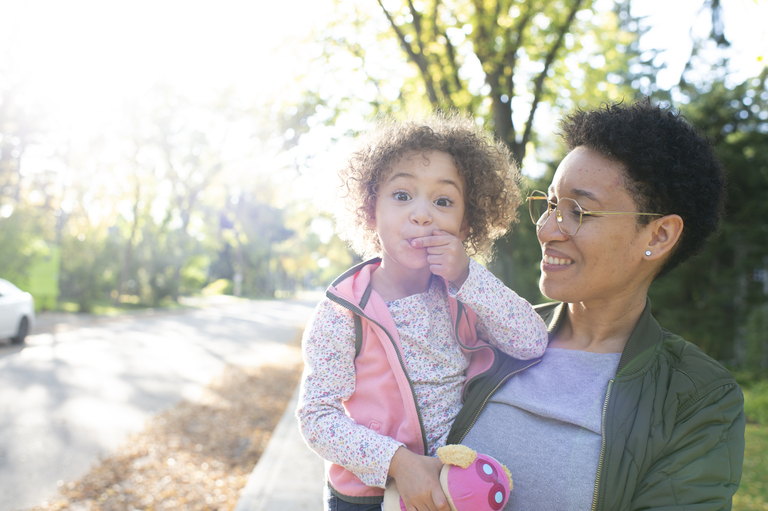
(402, 196)
(443, 202)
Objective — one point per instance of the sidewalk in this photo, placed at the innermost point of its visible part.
(288, 476)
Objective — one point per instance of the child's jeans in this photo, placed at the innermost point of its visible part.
(334, 503)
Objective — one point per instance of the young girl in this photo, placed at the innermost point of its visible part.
(397, 339)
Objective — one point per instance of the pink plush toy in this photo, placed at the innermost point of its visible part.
(470, 481)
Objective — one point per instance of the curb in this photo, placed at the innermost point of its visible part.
(288, 476)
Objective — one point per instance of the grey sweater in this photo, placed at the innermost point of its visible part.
(544, 425)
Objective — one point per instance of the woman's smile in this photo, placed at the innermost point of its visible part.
(557, 261)
(553, 260)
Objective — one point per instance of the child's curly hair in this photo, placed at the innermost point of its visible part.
(492, 192)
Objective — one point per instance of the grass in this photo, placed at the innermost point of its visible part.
(753, 491)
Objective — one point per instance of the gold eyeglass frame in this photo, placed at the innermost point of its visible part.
(533, 197)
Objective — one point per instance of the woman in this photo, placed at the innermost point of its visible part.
(619, 413)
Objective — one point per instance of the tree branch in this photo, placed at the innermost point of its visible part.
(416, 23)
(451, 52)
(435, 31)
(539, 82)
(416, 58)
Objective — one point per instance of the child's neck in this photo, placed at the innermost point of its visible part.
(394, 285)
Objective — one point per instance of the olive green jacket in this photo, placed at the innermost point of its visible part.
(673, 422)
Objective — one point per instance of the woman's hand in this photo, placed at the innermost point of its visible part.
(418, 481)
(446, 256)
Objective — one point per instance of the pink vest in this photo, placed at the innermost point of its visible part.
(384, 399)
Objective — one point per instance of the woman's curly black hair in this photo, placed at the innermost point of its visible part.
(670, 167)
(492, 192)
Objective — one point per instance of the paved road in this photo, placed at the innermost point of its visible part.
(75, 393)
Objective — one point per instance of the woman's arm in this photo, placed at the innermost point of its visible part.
(504, 319)
(328, 347)
(700, 465)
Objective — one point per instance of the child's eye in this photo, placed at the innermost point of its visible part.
(401, 196)
(443, 202)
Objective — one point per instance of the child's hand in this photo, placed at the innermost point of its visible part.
(418, 481)
(446, 256)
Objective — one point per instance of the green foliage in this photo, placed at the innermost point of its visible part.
(43, 277)
(756, 402)
(499, 60)
(717, 300)
(218, 287)
(194, 274)
(756, 339)
(313, 255)
(21, 244)
(89, 266)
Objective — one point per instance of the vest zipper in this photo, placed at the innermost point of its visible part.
(488, 397)
(360, 313)
(602, 444)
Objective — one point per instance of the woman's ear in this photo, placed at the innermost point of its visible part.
(665, 232)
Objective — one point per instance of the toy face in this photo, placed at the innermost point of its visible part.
(483, 486)
(488, 472)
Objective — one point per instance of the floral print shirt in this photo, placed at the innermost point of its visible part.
(433, 360)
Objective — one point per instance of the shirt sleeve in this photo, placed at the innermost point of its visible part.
(328, 348)
(504, 319)
(699, 463)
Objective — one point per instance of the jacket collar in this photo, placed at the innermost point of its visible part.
(645, 336)
(639, 348)
(354, 285)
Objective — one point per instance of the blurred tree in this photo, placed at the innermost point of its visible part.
(190, 161)
(21, 233)
(726, 288)
(502, 60)
(256, 228)
(22, 225)
(89, 267)
(314, 255)
(17, 128)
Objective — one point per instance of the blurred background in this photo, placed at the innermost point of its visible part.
(151, 150)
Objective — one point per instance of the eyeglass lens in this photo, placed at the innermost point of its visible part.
(567, 213)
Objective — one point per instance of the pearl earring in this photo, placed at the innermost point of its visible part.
(648, 252)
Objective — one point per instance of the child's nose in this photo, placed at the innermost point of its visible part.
(420, 215)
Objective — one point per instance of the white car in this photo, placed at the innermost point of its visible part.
(17, 312)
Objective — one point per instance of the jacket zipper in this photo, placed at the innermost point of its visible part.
(488, 397)
(602, 444)
(355, 310)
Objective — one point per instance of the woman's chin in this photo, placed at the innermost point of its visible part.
(553, 290)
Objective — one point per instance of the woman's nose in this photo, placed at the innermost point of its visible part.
(548, 229)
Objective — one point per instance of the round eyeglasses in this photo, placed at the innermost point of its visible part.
(568, 213)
